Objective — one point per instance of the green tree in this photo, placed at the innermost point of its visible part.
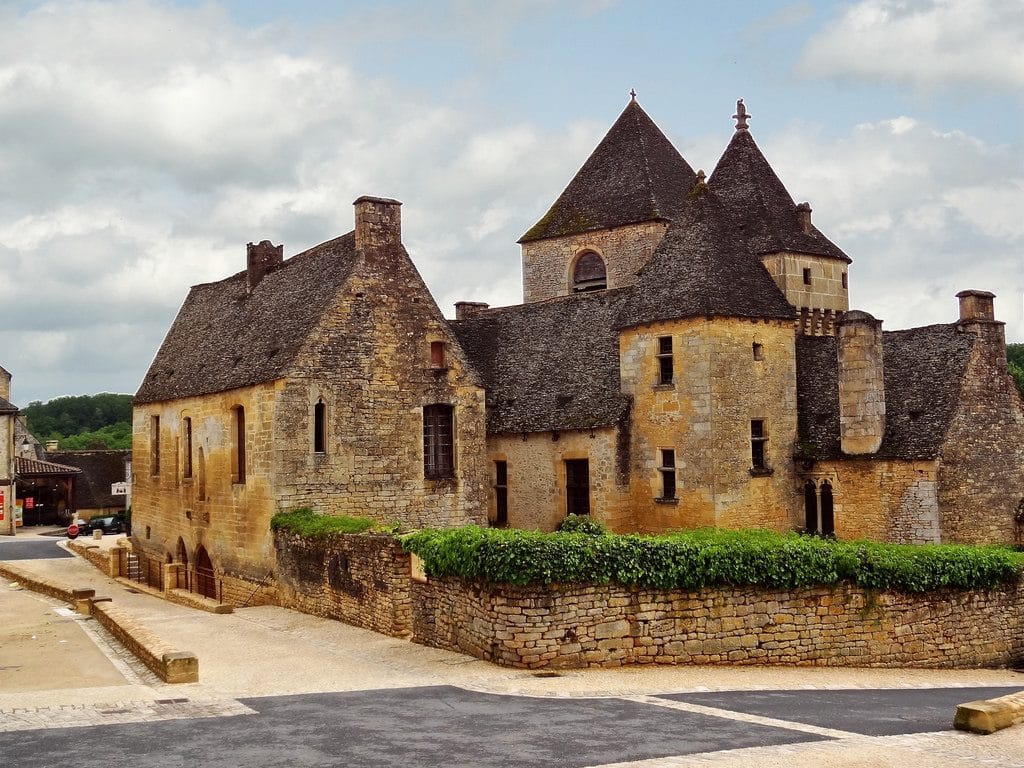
(82, 421)
(1015, 357)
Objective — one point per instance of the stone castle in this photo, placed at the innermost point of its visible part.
(685, 356)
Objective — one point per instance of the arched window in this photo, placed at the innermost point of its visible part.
(810, 507)
(828, 522)
(589, 274)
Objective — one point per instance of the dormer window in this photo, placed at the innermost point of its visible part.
(589, 274)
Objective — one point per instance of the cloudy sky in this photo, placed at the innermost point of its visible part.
(143, 143)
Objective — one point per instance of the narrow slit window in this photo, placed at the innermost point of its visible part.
(238, 449)
(187, 458)
(758, 351)
(668, 473)
(807, 275)
(154, 445)
(500, 494)
(319, 427)
(844, 281)
(758, 441)
(665, 360)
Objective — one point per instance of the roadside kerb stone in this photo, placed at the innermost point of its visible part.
(46, 586)
(990, 715)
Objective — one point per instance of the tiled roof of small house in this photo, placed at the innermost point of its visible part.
(223, 338)
(759, 206)
(701, 269)
(7, 407)
(924, 369)
(100, 469)
(549, 365)
(634, 175)
(26, 467)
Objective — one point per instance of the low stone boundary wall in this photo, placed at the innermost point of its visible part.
(74, 595)
(103, 558)
(170, 665)
(608, 625)
(361, 579)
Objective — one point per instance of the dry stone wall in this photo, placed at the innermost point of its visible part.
(607, 626)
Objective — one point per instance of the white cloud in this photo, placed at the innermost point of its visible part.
(924, 43)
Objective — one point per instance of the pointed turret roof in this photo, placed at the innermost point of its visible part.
(759, 206)
(634, 175)
(701, 268)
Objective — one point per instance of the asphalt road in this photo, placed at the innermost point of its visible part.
(30, 549)
(448, 726)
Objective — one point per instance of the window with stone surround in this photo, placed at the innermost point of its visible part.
(758, 445)
(589, 273)
(577, 486)
(500, 494)
(438, 442)
(844, 281)
(758, 350)
(807, 275)
(437, 354)
(667, 469)
(154, 445)
(186, 430)
(665, 361)
(238, 445)
(319, 427)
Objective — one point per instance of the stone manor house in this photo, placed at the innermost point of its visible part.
(684, 356)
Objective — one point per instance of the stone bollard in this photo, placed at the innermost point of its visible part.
(97, 534)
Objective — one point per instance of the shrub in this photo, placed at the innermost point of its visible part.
(582, 524)
(305, 522)
(695, 559)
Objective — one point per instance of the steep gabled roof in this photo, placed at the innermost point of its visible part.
(634, 175)
(924, 370)
(549, 365)
(759, 206)
(224, 338)
(701, 268)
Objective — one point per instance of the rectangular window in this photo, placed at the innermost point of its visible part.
(319, 427)
(437, 354)
(758, 351)
(186, 428)
(807, 275)
(758, 439)
(665, 367)
(438, 443)
(501, 494)
(154, 445)
(238, 452)
(844, 280)
(577, 487)
(668, 473)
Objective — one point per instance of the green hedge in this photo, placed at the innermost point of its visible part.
(705, 558)
(306, 522)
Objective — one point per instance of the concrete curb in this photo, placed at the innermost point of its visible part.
(991, 715)
(169, 664)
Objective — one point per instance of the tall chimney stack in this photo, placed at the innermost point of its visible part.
(803, 216)
(976, 306)
(861, 383)
(378, 222)
(467, 309)
(259, 260)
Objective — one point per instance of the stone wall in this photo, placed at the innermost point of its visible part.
(607, 626)
(359, 579)
(822, 301)
(547, 264)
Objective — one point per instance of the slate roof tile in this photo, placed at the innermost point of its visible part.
(100, 469)
(634, 175)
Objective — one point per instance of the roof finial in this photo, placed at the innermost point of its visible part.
(632, 94)
(741, 116)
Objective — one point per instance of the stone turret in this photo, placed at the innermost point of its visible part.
(861, 383)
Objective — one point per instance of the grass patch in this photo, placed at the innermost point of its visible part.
(693, 560)
(305, 522)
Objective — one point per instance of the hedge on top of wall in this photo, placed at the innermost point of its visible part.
(305, 522)
(692, 560)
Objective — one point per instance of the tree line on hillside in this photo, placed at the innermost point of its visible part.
(1015, 356)
(82, 422)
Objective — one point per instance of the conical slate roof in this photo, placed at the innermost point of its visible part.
(701, 268)
(759, 206)
(634, 175)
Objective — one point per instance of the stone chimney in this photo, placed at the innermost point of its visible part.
(5, 384)
(259, 260)
(378, 222)
(861, 383)
(976, 306)
(803, 216)
(467, 309)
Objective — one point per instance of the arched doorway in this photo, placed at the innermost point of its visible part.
(206, 583)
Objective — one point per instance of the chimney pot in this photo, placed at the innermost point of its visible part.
(976, 305)
(467, 309)
(378, 222)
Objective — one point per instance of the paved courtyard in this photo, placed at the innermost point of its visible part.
(281, 688)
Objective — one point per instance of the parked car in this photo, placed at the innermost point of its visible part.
(113, 524)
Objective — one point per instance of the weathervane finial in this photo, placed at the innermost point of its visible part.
(741, 116)
(632, 94)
